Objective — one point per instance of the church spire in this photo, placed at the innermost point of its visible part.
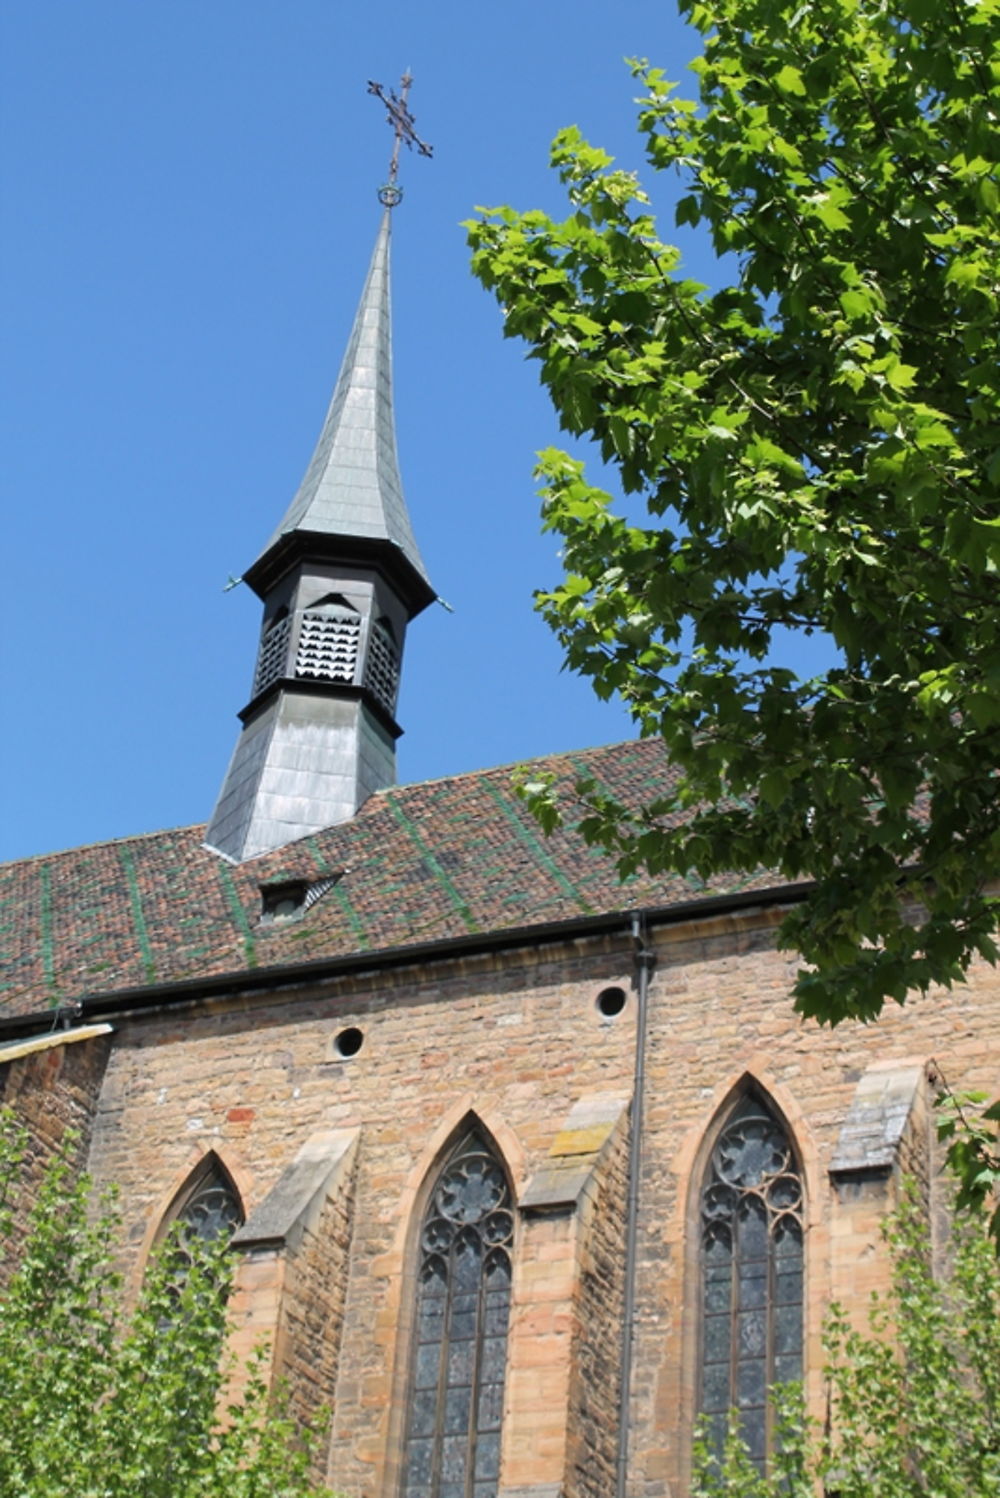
(352, 489)
(340, 579)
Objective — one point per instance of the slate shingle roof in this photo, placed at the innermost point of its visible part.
(419, 863)
(352, 486)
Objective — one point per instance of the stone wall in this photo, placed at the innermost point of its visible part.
(312, 1316)
(600, 1294)
(517, 1040)
(52, 1085)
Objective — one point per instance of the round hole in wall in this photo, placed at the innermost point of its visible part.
(349, 1041)
(611, 1001)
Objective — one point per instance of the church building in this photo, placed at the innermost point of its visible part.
(524, 1167)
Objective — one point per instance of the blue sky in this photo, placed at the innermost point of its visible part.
(187, 211)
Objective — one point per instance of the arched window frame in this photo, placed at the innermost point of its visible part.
(751, 1305)
(208, 1204)
(453, 1405)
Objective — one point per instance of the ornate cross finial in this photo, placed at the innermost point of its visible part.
(401, 120)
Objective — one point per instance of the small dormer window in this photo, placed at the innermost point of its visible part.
(283, 902)
(288, 899)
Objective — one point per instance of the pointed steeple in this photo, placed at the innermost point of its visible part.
(340, 579)
(352, 486)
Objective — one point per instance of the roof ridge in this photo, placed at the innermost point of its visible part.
(197, 829)
(510, 765)
(106, 842)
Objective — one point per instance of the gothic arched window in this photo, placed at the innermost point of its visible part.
(751, 1258)
(211, 1209)
(460, 1333)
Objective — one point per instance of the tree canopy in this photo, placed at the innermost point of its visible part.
(813, 448)
(98, 1403)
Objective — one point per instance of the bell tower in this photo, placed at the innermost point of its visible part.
(340, 580)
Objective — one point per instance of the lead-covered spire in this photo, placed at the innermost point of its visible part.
(340, 580)
(352, 488)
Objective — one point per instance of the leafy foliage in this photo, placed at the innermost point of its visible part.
(914, 1399)
(817, 447)
(972, 1134)
(100, 1405)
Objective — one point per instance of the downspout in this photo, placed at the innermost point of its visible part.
(645, 960)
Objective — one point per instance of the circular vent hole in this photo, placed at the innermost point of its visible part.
(349, 1041)
(611, 1001)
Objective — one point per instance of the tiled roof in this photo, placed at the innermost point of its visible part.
(418, 863)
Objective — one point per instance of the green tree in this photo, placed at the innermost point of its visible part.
(813, 449)
(818, 448)
(914, 1399)
(97, 1404)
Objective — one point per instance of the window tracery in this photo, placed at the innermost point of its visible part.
(455, 1397)
(211, 1211)
(752, 1266)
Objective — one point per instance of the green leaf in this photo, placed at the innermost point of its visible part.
(789, 80)
(104, 1398)
(811, 453)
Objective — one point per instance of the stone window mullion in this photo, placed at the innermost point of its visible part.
(475, 1386)
(752, 1262)
(463, 1302)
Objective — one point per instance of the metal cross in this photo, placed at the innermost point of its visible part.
(401, 120)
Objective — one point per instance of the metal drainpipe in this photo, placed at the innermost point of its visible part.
(645, 959)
